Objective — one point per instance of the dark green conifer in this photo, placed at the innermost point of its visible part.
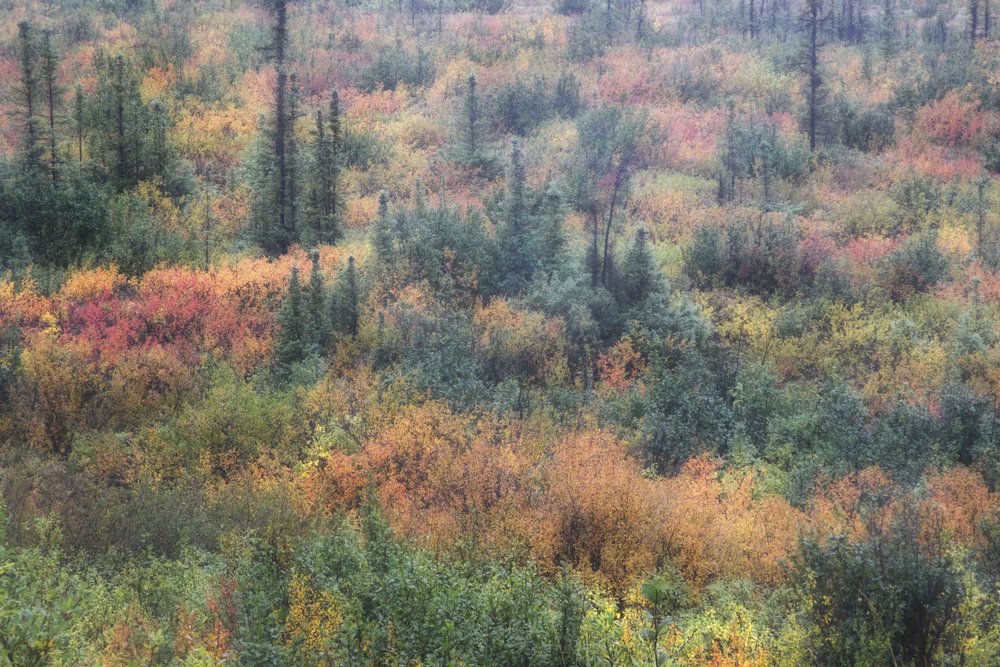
(317, 322)
(384, 234)
(29, 95)
(516, 258)
(345, 301)
(640, 278)
(50, 65)
(471, 121)
(292, 341)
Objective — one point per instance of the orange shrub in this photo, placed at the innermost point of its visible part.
(601, 514)
(854, 505)
(951, 121)
(22, 307)
(717, 527)
(55, 398)
(958, 501)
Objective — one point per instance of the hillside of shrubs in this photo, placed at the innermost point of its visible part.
(526, 333)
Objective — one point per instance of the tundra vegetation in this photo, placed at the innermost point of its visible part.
(565, 333)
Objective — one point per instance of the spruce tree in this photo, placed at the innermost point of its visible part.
(319, 183)
(279, 43)
(128, 137)
(384, 234)
(551, 244)
(640, 278)
(29, 94)
(889, 37)
(292, 143)
(119, 110)
(345, 301)
(276, 205)
(275, 235)
(471, 121)
(336, 151)
(325, 182)
(317, 326)
(50, 64)
(157, 155)
(516, 261)
(292, 343)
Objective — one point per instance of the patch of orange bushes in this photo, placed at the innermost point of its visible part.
(576, 498)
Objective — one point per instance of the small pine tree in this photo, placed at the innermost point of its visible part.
(516, 261)
(471, 121)
(567, 96)
(384, 233)
(345, 302)
(551, 242)
(640, 279)
(705, 260)
(291, 346)
(317, 323)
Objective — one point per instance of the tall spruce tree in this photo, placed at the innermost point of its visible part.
(319, 183)
(50, 65)
(292, 143)
(336, 152)
(119, 111)
(32, 151)
(280, 117)
(274, 228)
